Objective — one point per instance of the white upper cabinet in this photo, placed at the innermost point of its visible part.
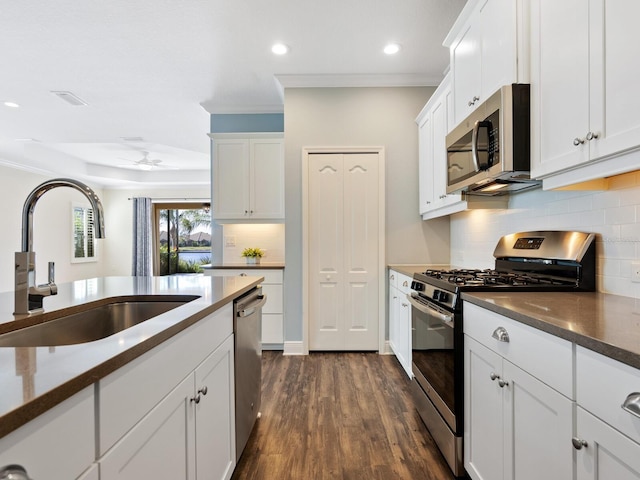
(248, 177)
(583, 89)
(433, 126)
(487, 51)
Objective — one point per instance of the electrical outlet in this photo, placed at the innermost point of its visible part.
(229, 241)
(635, 271)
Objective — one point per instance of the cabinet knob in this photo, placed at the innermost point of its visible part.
(203, 390)
(592, 136)
(503, 384)
(195, 399)
(578, 141)
(246, 212)
(405, 304)
(494, 376)
(578, 443)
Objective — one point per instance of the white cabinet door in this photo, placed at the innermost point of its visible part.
(230, 178)
(498, 20)
(400, 320)
(614, 76)
(608, 454)
(91, 474)
(538, 427)
(425, 163)
(559, 85)
(466, 65)
(483, 412)
(159, 446)
(266, 183)
(486, 53)
(215, 415)
(394, 312)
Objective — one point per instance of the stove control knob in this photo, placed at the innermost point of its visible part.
(444, 297)
(439, 295)
(417, 286)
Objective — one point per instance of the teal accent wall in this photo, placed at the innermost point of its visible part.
(247, 122)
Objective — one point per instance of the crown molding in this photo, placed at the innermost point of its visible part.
(212, 108)
(336, 81)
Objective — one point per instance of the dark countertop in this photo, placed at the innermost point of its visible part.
(35, 379)
(607, 324)
(410, 269)
(244, 266)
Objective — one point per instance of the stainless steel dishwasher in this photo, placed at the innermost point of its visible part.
(247, 329)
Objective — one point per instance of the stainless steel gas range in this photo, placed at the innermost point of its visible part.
(526, 261)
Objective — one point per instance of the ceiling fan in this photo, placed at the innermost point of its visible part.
(145, 163)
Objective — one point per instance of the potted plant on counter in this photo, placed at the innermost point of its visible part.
(252, 255)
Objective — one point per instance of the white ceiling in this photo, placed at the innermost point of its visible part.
(154, 70)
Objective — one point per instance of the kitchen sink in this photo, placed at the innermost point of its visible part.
(94, 323)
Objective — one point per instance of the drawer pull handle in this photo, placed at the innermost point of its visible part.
(501, 334)
(632, 404)
(405, 284)
(578, 443)
(13, 472)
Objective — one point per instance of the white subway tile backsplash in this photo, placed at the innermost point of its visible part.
(620, 215)
(614, 215)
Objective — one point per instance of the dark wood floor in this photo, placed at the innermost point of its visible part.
(338, 416)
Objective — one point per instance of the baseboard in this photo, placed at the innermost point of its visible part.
(387, 349)
(293, 348)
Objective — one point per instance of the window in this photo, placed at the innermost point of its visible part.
(183, 237)
(83, 244)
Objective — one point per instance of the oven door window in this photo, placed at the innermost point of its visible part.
(432, 339)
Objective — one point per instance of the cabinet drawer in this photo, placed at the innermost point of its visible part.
(57, 445)
(270, 276)
(128, 394)
(546, 357)
(602, 386)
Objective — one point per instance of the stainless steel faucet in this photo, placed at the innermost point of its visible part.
(28, 295)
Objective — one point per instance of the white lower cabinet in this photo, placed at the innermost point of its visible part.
(400, 319)
(607, 436)
(517, 427)
(190, 434)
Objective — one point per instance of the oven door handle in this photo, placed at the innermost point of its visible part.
(446, 319)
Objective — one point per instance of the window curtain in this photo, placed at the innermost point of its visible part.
(142, 237)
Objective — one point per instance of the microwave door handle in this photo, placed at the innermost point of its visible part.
(475, 135)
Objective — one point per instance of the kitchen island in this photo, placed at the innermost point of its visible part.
(99, 390)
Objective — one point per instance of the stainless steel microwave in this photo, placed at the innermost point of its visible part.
(489, 152)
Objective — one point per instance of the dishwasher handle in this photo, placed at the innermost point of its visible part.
(247, 310)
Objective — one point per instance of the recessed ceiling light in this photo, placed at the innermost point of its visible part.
(280, 49)
(11, 104)
(392, 48)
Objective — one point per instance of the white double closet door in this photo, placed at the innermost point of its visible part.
(344, 250)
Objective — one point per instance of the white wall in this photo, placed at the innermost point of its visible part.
(268, 237)
(359, 117)
(613, 214)
(119, 221)
(52, 229)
